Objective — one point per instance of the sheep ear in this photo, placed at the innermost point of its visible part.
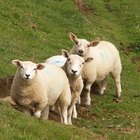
(40, 66)
(65, 53)
(73, 38)
(88, 59)
(94, 42)
(16, 62)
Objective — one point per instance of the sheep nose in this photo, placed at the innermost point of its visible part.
(74, 71)
(81, 51)
(27, 75)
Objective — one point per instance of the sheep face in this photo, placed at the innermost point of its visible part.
(82, 45)
(27, 69)
(74, 63)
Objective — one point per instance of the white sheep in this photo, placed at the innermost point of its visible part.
(106, 60)
(73, 68)
(39, 86)
(56, 60)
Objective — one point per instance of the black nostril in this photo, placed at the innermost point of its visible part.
(27, 75)
(74, 71)
(81, 51)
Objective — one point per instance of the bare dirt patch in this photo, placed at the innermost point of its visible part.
(135, 47)
(5, 86)
(81, 4)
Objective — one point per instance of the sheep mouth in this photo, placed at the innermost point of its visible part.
(27, 78)
(81, 54)
(74, 74)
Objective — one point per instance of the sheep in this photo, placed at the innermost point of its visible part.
(73, 68)
(57, 60)
(106, 60)
(72, 65)
(36, 86)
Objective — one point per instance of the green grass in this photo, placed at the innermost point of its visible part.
(15, 125)
(116, 21)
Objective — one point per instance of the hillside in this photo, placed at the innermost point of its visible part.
(36, 29)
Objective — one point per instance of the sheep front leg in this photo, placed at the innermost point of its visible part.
(38, 109)
(24, 109)
(86, 100)
(70, 111)
(45, 113)
(64, 114)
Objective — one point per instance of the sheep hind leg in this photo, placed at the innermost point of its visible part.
(116, 77)
(103, 86)
(74, 113)
(86, 100)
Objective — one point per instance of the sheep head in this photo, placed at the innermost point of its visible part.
(74, 63)
(27, 69)
(82, 45)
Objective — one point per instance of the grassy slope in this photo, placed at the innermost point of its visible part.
(111, 20)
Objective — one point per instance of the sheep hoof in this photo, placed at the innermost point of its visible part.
(101, 93)
(70, 123)
(43, 118)
(37, 114)
(74, 116)
(86, 102)
(118, 95)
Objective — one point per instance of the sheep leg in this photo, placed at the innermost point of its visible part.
(63, 113)
(38, 109)
(103, 86)
(116, 78)
(74, 113)
(24, 109)
(86, 100)
(79, 100)
(72, 109)
(63, 109)
(45, 113)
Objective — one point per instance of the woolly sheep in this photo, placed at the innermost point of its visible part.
(106, 60)
(73, 68)
(57, 60)
(36, 86)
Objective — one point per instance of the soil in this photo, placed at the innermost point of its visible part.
(134, 59)
(81, 4)
(5, 86)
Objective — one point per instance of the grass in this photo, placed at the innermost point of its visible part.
(35, 30)
(19, 126)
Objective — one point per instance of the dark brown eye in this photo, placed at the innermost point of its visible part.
(21, 66)
(83, 63)
(76, 42)
(68, 59)
(35, 68)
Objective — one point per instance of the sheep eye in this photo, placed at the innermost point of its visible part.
(76, 43)
(21, 66)
(35, 68)
(87, 46)
(68, 59)
(83, 63)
